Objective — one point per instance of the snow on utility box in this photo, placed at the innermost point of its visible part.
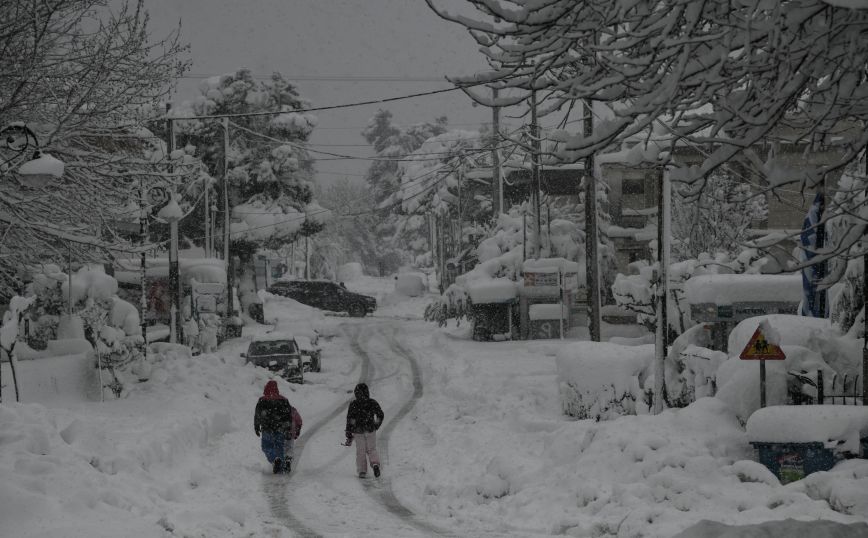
(795, 441)
(715, 298)
(546, 320)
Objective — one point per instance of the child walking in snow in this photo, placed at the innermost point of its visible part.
(364, 418)
(279, 425)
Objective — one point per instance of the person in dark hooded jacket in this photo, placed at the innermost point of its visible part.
(364, 418)
(279, 425)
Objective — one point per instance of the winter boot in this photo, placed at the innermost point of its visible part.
(362, 474)
(288, 466)
(276, 467)
(376, 470)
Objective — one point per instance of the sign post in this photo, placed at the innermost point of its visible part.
(759, 348)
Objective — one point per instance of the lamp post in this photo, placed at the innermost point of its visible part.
(172, 213)
(35, 173)
(41, 169)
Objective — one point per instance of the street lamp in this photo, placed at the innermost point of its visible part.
(42, 169)
(171, 213)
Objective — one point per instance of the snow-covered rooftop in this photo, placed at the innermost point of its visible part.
(495, 290)
(541, 265)
(728, 289)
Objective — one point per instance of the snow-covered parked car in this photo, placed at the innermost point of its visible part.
(278, 353)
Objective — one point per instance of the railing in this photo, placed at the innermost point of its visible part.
(845, 390)
(839, 383)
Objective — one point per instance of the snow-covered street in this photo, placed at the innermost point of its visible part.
(474, 444)
(412, 268)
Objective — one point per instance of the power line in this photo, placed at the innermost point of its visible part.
(341, 156)
(355, 127)
(334, 107)
(318, 108)
(332, 78)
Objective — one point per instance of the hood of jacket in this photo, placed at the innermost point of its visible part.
(361, 392)
(271, 392)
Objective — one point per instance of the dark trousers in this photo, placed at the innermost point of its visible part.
(274, 445)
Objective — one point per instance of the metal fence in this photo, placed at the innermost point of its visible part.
(845, 390)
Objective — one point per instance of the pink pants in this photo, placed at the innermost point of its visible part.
(366, 449)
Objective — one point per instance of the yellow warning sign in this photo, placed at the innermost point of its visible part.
(760, 349)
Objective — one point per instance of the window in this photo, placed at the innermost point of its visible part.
(633, 221)
(274, 347)
(633, 186)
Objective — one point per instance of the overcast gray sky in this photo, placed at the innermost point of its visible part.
(309, 39)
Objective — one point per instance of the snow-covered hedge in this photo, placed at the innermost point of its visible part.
(410, 284)
(637, 292)
(606, 380)
(601, 381)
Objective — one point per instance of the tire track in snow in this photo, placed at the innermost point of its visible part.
(275, 487)
(386, 495)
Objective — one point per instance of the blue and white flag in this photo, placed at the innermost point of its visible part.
(812, 238)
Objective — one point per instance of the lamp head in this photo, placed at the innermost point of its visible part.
(40, 171)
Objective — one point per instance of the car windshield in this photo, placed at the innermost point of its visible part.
(275, 347)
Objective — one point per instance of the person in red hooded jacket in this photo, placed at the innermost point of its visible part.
(279, 425)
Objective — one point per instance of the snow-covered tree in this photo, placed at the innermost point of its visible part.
(84, 76)
(714, 215)
(847, 208)
(270, 171)
(725, 77)
(350, 236)
(435, 180)
(391, 144)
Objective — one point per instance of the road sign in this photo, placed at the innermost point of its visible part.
(759, 348)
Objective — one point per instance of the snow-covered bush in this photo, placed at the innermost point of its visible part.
(110, 324)
(637, 292)
(691, 368)
(793, 330)
(846, 296)
(602, 381)
(809, 345)
(410, 284)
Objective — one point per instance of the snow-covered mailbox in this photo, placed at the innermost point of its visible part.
(492, 305)
(726, 299)
(797, 440)
(549, 297)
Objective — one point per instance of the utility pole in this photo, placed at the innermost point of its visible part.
(821, 296)
(592, 251)
(143, 234)
(460, 223)
(174, 275)
(307, 257)
(230, 278)
(865, 308)
(663, 201)
(497, 176)
(432, 244)
(207, 221)
(535, 171)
